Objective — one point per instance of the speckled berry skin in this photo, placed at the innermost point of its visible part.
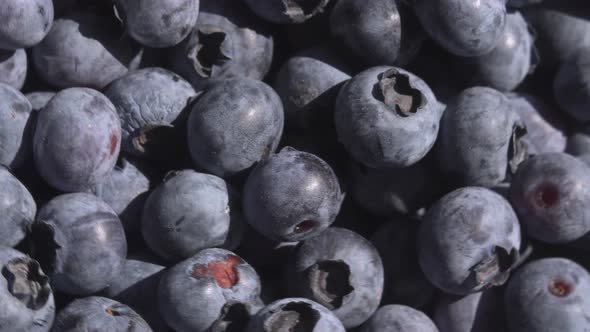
(17, 208)
(387, 117)
(77, 139)
(469, 241)
(291, 196)
(24, 22)
(15, 127)
(398, 318)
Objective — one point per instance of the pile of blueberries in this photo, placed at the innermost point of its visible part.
(294, 165)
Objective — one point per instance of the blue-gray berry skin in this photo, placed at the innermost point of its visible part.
(578, 143)
(291, 196)
(508, 63)
(546, 130)
(228, 40)
(391, 191)
(286, 11)
(17, 209)
(215, 290)
(308, 84)
(15, 128)
(481, 312)
(551, 294)
(463, 27)
(571, 87)
(398, 318)
(24, 22)
(342, 271)
(26, 299)
(125, 191)
(13, 68)
(137, 287)
(405, 282)
(84, 50)
(77, 139)
(559, 34)
(469, 241)
(550, 194)
(480, 138)
(387, 28)
(157, 23)
(152, 104)
(235, 124)
(387, 117)
(39, 99)
(190, 212)
(80, 242)
(99, 314)
(294, 314)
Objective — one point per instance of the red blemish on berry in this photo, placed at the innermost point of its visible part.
(304, 226)
(560, 288)
(224, 272)
(114, 142)
(546, 195)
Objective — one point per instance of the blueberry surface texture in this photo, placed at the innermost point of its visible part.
(287, 11)
(480, 138)
(99, 314)
(80, 243)
(17, 208)
(463, 27)
(26, 299)
(215, 290)
(189, 212)
(549, 193)
(13, 68)
(469, 241)
(342, 271)
(39, 99)
(77, 139)
(15, 127)
(157, 23)
(234, 125)
(387, 117)
(292, 196)
(548, 295)
(24, 22)
(294, 314)
(398, 318)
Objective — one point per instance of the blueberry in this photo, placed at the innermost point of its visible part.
(469, 241)
(545, 127)
(291, 196)
(137, 287)
(233, 125)
(189, 212)
(481, 312)
(340, 270)
(463, 27)
(550, 294)
(560, 34)
(13, 68)
(17, 208)
(572, 87)
(84, 50)
(153, 105)
(39, 99)
(294, 314)
(480, 138)
(387, 117)
(550, 194)
(287, 11)
(99, 314)
(24, 22)
(308, 84)
(125, 191)
(398, 318)
(80, 243)
(77, 139)
(508, 63)
(157, 23)
(15, 135)
(227, 41)
(405, 282)
(26, 300)
(387, 28)
(215, 290)
(390, 191)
